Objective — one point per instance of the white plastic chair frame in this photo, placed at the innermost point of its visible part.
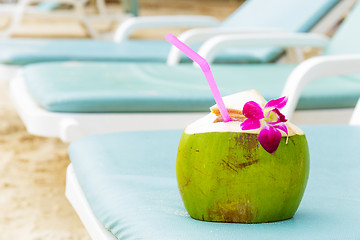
(70, 126)
(194, 36)
(281, 39)
(24, 6)
(305, 73)
(201, 35)
(123, 31)
(77, 199)
(315, 68)
(126, 28)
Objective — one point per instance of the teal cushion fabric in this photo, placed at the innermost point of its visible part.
(346, 40)
(26, 51)
(298, 16)
(116, 87)
(292, 16)
(273, 14)
(129, 181)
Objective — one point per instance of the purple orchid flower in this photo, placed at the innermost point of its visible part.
(269, 119)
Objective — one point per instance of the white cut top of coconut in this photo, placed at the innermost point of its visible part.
(237, 102)
(207, 124)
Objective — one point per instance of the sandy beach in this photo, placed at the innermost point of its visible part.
(32, 169)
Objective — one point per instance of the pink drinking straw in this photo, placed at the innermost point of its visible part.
(206, 69)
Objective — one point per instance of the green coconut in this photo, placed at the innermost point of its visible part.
(224, 174)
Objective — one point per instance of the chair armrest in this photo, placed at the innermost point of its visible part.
(355, 118)
(315, 68)
(127, 27)
(200, 35)
(216, 44)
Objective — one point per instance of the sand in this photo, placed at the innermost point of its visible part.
(32, 169)
(32, 181)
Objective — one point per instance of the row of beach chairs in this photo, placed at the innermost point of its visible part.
(120, 101)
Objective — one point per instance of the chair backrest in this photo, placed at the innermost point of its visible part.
(290, 15)
(347, 39)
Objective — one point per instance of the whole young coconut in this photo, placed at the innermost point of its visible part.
(224, 174)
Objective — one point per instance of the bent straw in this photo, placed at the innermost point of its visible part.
(206, 69)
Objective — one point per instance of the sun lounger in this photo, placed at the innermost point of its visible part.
(17, 12)
(72, 100)
(295, 16)
(123, 186)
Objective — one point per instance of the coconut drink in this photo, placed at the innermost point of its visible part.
(243, 162)
(225, 174)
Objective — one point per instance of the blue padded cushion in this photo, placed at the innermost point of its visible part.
(120, 87)
(26, 51)
(294, 16)
(129, 181)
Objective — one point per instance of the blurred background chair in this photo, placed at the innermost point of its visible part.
(71, 100)
(73, 9)
(295, 16)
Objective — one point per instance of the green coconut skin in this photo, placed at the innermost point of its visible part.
(229, 177)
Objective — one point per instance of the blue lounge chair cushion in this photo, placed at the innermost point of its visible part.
(129, 181)
(302, 15)
(116, 87)
(299, 16)
(26, 51)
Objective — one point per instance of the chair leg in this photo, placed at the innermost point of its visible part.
(101, 7)
(16, 17)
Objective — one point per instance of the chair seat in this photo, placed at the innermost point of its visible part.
(132, 188)
(115, 87)
(26, 51)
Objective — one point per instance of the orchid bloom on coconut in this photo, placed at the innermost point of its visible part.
(269, 119)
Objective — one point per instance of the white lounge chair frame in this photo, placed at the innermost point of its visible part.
(18, 11)
(71, 126)
(77, 198)
(200, 35)
(195, 35)
(315, 68)
(216, 44)
(9, 71)
(305, 73)
(324, 26)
